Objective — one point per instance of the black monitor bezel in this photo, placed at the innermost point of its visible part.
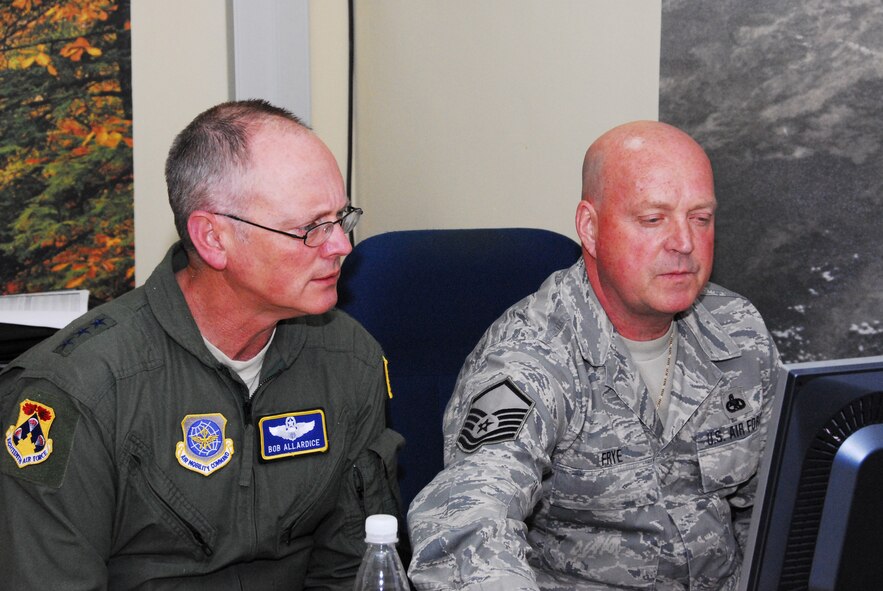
(792, 379)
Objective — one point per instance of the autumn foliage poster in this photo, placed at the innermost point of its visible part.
(66, 193)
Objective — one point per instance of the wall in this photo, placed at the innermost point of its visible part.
(180, 66)
(478, 114)
(329, 55)
(467, 113)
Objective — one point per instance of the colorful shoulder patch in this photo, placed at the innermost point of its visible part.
(32, 454)
(204, 448)
(293, 434)
(27, 441)
(496, 415)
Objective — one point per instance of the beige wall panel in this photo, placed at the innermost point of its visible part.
(468, 113)
(478, 113)
(180, 67)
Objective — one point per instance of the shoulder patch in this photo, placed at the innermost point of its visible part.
(79, 334)
(495, 415)
(38, 441)
(27, 440)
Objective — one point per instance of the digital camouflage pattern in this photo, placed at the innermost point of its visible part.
(593, 491)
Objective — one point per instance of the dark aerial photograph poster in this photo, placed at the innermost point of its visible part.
(786, 99)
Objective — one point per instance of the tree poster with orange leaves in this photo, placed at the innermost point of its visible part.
(66, 193)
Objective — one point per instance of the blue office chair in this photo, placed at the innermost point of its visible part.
(427, 296)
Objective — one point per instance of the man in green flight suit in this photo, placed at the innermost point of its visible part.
(222, 426)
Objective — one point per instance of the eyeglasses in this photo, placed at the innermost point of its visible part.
(318, 234)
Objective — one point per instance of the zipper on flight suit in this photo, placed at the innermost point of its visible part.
(246, 410)
(194, 532)
(318, 494)
(360, 488)
(289, 531)
(250, 437)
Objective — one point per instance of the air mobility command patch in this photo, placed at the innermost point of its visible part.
(293, 434)
(204, 448)
(496, 415)
(38, 438)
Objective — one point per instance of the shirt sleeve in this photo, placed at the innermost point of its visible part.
(742, 500)
(58, 513)
(467, 526)
(367, 486)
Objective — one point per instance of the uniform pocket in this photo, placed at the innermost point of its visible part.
(373, 488)
(374, 481)
(163, 520)
(729, 455)
(623, 486)
(600, 524)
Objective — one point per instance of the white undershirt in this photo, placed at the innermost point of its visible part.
(651, 358)
(249, 371)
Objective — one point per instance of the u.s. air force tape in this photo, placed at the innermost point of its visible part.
(495, 415)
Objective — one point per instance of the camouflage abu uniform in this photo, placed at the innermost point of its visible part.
(558, 473)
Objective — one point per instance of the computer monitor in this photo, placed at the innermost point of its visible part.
(818, 517)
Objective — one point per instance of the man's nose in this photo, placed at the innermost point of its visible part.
(680, 239)
(338, 243)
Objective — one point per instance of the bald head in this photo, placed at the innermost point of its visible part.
(630, 151)
(646, 224)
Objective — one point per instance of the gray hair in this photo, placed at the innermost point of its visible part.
(209, 158)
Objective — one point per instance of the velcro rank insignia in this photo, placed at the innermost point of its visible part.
(293, 434)
(496, 415)
(79, 334)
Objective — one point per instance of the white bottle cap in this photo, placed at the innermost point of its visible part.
(381, 529)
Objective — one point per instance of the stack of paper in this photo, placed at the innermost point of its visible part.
(53, 309)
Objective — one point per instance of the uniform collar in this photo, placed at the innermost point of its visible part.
(172, 312)
(710, 335)
(596, 334)
(702, 339)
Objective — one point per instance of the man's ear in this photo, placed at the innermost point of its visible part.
(587, 225)
(207, 236)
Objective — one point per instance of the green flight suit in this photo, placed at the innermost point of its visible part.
(156, 475)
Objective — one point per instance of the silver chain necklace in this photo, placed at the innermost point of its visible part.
(671, 341)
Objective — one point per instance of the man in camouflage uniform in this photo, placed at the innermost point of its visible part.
(606, 431)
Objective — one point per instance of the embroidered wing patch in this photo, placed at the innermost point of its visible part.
(496, 415)
(293, 434)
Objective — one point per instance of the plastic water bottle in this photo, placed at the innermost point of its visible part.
(381, 568)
